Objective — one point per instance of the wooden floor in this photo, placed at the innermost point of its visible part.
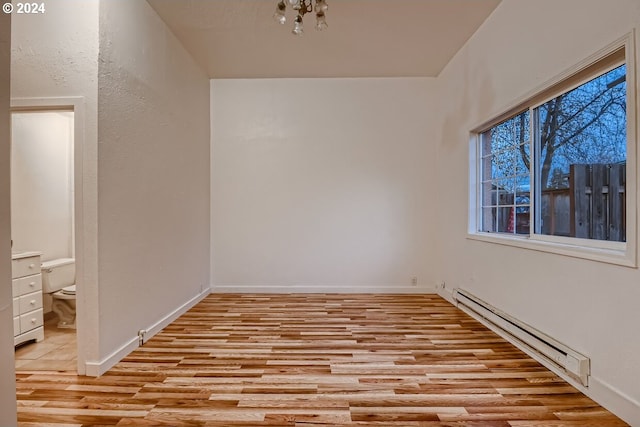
(315, 360)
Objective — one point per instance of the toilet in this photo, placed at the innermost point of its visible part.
(58, 280)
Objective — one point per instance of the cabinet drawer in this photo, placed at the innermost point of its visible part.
(16, 326)
(16, 306)
(25, 266)
(30, 302)
(30, 320)
(26, 285)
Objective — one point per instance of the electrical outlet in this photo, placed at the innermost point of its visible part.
(414, 281)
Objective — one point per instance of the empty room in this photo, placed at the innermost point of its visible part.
(319, 212)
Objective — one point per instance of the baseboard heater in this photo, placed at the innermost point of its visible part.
(573, 363)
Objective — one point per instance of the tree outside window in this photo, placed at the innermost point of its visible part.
(579, 142)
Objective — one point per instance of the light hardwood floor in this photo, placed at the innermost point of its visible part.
(315, 360)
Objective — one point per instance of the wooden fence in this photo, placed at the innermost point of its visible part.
(593, 207)
(556, 212)
(597, 202)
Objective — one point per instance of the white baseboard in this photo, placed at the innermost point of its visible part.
(97, 368)
(320, 289)
(604, 394)
(615, 401)
(446, 294)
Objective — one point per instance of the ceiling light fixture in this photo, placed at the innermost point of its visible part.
(302, 7)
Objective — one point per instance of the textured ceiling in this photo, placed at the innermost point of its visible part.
(365, 38)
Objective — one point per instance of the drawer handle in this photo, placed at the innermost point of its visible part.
(33, 321)
(32, 265)
(32, 284)
(32, 302)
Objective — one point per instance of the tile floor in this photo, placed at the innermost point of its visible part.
(58, 351)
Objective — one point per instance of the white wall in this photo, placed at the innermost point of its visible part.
(150, 249)
(322, 185)
(590, 306)
(7, 370)
(42, 183)
(153, 165)
(55, 55)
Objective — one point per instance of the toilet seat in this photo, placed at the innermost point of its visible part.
(67, 293)
(69, 290)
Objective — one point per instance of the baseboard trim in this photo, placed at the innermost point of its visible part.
(319, 289)
(97, 368)
(615, 401)
(602, 393)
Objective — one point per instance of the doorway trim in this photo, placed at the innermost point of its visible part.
(86, 221)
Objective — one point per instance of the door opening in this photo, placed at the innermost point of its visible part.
(43, 237)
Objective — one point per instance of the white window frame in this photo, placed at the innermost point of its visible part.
(620, 253)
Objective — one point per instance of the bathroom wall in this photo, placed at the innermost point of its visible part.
(153, 175)
(322, 185)
(42, 186)
(42, 183)
(590, 306)
(7, 370)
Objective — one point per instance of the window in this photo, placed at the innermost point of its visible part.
(555, 169)
(581, 147)
(505, 165)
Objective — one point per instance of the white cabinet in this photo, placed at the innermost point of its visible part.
(27, 297)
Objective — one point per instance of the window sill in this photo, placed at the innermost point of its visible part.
(623, 257)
